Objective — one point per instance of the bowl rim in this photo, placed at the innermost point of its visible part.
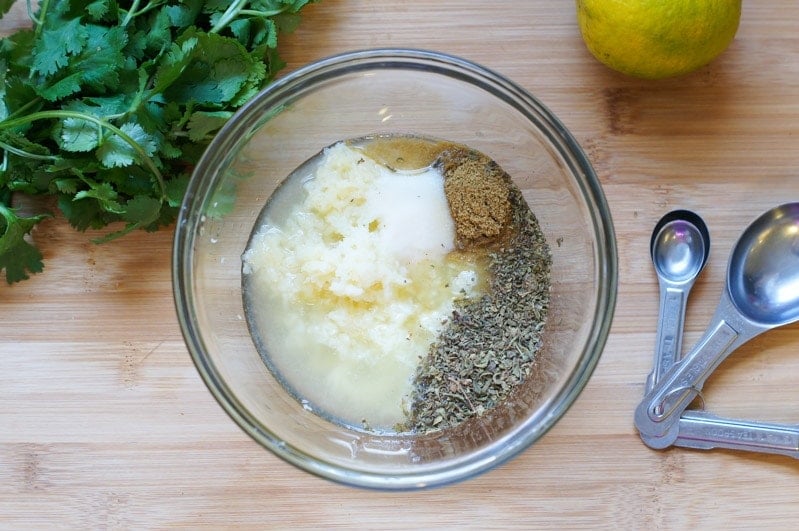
(606, 254)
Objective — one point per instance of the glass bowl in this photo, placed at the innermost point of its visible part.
(391, 91)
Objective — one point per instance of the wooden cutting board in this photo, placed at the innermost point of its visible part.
(105, 423)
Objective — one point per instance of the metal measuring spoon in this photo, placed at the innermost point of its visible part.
(679, 247)
(761, 293)
(704, 431)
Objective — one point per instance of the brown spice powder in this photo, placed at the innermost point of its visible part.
(478, 193)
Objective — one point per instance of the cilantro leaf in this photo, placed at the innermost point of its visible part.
(61, 88)
(75, 134)
(83, 215)
(142, 210)
(17, 256)
(176, 189)
(159, 35)
(202, 123)
(52, 50)
(172, 65)
(5, 5)
(182, 16)
(105, 196)
(254, 31)
(115, 151)
(100, 106)
(102, 60)
(206, 69)
(98, 10)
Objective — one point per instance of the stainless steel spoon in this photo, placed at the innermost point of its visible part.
(761, 293)
(702, 430)
(679, 247)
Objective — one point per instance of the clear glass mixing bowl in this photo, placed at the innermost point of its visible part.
(408, 92)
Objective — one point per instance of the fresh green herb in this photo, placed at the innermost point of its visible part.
(5, 5)
(17, 256)
(107, 105)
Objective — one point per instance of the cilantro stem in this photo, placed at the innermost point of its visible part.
(256, 13)
(131, 13)
(236, 9)
(22, 153)
(31, 13)
(230, 13)
(24, 108)
(50, 115)
(45, 4)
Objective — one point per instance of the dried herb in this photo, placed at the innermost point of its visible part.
(489, 345)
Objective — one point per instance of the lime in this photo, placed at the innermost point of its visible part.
(655, 39)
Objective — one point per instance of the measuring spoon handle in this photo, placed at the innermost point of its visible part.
(668, 340)
(657, 416)
(701, 430)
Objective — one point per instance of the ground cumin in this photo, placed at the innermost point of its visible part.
(478, 193)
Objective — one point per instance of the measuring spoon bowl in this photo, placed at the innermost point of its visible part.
(761, 293)
(763, 273)
(679, 248)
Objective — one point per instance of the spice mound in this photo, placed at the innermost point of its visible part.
(478, 192)
(489, 346)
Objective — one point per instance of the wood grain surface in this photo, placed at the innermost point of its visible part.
(105, 423)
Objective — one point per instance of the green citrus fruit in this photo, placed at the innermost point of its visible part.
(655, 39)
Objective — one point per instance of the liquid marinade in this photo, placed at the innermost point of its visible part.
(397, 284)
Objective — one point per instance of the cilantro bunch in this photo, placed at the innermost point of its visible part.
(106, 105)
